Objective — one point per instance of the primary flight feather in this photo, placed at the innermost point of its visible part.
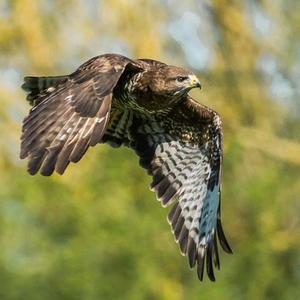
(142, 104)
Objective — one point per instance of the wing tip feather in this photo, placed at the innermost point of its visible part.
(222, 238)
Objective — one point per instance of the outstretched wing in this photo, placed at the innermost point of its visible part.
(70, 113)
(183, 153)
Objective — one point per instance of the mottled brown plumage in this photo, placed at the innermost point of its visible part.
(142, 104)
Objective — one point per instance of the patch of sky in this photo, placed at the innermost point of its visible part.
(114, 45)
(5, 9)
(81, 46)
(280, 88)
(91, 9)
(190, 31)
(10, 78)
(261, 22)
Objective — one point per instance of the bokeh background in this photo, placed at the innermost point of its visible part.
(97, 232)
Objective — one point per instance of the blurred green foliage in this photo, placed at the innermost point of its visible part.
(97, 232)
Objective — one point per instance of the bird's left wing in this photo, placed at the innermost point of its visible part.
(70, 113)
(183, 153)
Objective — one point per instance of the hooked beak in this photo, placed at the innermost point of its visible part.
(194, 82)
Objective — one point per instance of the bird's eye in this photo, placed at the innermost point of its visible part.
(181, 78)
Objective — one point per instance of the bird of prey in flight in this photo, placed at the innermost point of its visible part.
(142, 104)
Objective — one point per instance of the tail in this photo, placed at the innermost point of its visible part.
(35, 86)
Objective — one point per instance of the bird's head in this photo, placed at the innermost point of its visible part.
(174, 81)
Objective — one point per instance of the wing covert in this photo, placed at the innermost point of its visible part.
(70, 115)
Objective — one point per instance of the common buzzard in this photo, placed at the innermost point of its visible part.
(142, 104)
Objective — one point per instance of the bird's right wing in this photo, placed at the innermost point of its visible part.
(183, 154)
(70, 113)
